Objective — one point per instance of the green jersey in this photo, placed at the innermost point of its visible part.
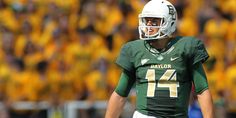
(163, 78)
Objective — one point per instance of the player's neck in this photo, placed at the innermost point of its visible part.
(160, 44)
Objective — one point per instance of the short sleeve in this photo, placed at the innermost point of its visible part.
(199, 78)
(124, 59)
(199, 53)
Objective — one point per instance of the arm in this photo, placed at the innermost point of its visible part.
(205, 102)
(203, 93)
(115, 106)
(118, 97)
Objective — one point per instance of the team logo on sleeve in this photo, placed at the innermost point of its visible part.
(143, 61)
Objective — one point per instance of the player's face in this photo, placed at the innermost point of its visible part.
(152, 22)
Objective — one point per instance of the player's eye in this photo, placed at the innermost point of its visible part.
(151, 21)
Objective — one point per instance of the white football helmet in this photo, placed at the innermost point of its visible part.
(163, 10)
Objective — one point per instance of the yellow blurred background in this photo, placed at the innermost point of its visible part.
(64, 50)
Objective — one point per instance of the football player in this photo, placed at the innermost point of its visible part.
(163, 68)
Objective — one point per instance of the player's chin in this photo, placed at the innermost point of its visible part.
(151, 33)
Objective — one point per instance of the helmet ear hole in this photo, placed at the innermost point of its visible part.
(163, 22)
(173, 28)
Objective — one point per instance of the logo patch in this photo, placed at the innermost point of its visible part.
(173, 58)
(143, 61)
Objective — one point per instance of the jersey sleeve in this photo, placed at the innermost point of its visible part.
(124, 59)
(199, 52)
(125, 84)
(199, 78)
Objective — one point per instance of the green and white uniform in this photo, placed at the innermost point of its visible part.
(163, 79)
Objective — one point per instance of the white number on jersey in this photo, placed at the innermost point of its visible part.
(167, 80)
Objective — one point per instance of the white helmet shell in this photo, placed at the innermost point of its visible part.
(158, 9)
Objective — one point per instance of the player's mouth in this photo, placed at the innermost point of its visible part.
(150, 31)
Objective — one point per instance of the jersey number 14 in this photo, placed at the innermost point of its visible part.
(167, 80)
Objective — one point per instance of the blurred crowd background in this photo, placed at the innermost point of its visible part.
(64, 50)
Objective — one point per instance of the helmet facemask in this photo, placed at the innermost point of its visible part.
(157, 27)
